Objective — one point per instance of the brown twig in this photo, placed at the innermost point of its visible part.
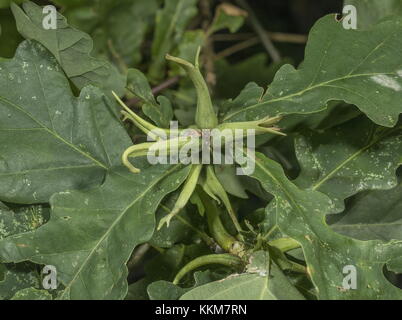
(259, 29)
(237, 47)
(275, 36)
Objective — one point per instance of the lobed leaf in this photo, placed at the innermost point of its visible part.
(18, 277)
(50, 140)
(94, 232)
(21, 220)
(71, 47)
(22, 275)
(32, 294)
(159, 111)
(301, 216)
(258, 284)
(360, 67)
(372, 215)
(350, 158)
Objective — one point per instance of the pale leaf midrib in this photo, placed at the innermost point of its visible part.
(303, 91)
(119, 217)
(54, 134)
(47, 169)
(350, 158)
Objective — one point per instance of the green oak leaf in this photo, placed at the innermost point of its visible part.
(50, 140)
(336, 114)
(250, 96)
(32, 294)
(138, 290)
(22, 219)
(301, 216)
(171, 22)
(71, 47)
(17, 277)
(370, 12)
(371, 215)
(257, 284)
(94, 232)
(350, 158)
(360, 67)
(159, 111)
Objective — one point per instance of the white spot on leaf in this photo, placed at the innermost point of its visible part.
(387, 82)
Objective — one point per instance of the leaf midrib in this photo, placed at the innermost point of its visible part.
(46, 169)
(303, 91)
(122, 214)
(54, 134)
(352, 157)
